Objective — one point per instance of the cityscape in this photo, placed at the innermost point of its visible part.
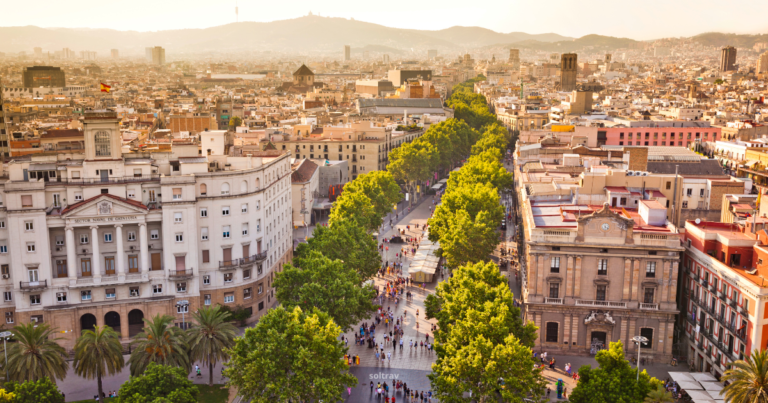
(339, 205)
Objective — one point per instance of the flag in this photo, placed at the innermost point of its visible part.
(105, 88)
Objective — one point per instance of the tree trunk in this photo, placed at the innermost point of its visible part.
(101, 392)
(210, 373)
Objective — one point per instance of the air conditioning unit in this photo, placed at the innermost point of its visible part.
(645, 173)
(85, 250)
(630, 173)
(132, 247)
(34, 319)
(58, 249)
(6, 276)
(149, 246)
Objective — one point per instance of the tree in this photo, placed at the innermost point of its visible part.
(468, 241)
(494, 136)
(7, 397)
(42, 390)
(482, 168)
(290, 355)
(747, 379)
(355, 207)
(159, 384)
(380, 187)
(413, 162)
(472, 198)
(210, 336)
(614, 381)
(98, 352)
(159, 342)
(235, 121)
(319, 282)
(346, 241)
(36, 354)
(659, 395)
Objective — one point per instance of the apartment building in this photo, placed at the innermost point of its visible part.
(95, 236)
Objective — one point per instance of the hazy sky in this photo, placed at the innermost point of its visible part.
(647, 19)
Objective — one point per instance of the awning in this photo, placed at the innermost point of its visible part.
(750, 163)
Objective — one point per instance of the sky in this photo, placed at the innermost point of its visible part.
(640, 20)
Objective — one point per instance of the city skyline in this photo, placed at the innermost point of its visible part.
(616, 19)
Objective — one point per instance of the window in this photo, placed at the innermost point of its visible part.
(29, 226)
(131, 194)
(225, 231)
(552, 332)
(204, 233)
(78, 196)
(648, 295)
(206, 256)
(555, 265)
(110, 292)
(59, 240)
(245, 228)
(602, 267)
(228, 277)
(229, 297)
(61, 297)
(554, 290)
(177, 217)
(3, 248)
(157, 289)
(179, 237)
(247, 293)
(685, 203)
(225, 211)
(261, 306)
(207, 280)
(83, 239)
(133, 263)
(203, 189)
(225, 188)
(701, 192)
(650, 269)
(134, 291)
(182, 308)
(689, 192)
(85, 295)
(244, 208)
(9, 317)
(246, 274)
(5, 269)
(7, 296)
(108, 237)
(102, 144)
(207, 299)
(203, 212)
(600, 294)
(648, 334)
(30, 246)
(26, 201)
(154, 234)
(261, 288)
(176, 193)
(2, 224)
(181, 287)
(131, 235)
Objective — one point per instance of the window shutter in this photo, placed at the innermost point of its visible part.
(177, 191)
(227, 254)
(110, 290)
(180, 265)
(246, 251)
(26, 200)
(206, 256)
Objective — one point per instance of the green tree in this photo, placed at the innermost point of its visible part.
(482, 168)
(319, 282)
(346, 241)
(468, 241)
(472, 198)
(98, 352)
(494, 136)
(355, 207)
(159, 342)
(380, 187)
(6, 396)
(36, 354)
(210, 336)
(659, 395)
(412, 163)
(614, 381)
(235, 121)
(159, 384)
(747, 379)
(290, 355)
(42, 390)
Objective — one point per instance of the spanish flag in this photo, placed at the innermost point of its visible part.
(105, 88)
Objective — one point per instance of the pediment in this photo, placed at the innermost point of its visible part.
(606, 224)
(104, 206)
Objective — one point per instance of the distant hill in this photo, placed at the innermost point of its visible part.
(720, 39)
(594, 41)
(305, 34)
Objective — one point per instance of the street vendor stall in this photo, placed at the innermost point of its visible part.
(425, 264)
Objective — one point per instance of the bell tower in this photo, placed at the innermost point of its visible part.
(102, 136)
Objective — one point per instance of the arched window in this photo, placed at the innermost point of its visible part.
(203, 189)
(102, 144)
(258, 183)
(225, 188)
(244, 187)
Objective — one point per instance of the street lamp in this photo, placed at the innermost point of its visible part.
(638, 340)
(6, 336)
(183, 304)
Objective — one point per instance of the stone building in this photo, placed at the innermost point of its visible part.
(568, 71)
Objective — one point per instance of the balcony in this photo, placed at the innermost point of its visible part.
(257, 258)
(690, 319)
(229, 264)
(649, 307)
(713, 288)
(553, 301)
(602, 304)
(89, 181)
(704, 283)
(180, 274)
(33, 285)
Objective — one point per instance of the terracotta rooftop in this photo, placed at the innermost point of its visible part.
(304, 171)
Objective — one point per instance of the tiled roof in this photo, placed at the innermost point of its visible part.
(304, 172)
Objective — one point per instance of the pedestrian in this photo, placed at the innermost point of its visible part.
(411, 345)
(371, 387)
(401, 344)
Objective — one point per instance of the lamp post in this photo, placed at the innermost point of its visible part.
(5, 336)
(183, 304)
(638, 340)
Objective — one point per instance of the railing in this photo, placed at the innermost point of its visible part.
(33, 285)
(705, 283)
(124, 179)
(259, 257)
(180, 273)
(713, 287)
(651, 307)
(229, 264)
(554, 301)
(605, 304)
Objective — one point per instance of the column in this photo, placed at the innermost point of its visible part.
(96, 256)
(575, 329)
(542, 269)
(673, 283)
(143, 247)
(532, 274)
(120, 261)
(577, 278)
(124, 330)
(666, 278)
(635, 279)
(537, 322)
(627, 295)
(71, 256)
(661, 340)
(567, 263)
(630, 346)
(670, 335)
(567, 330)
(623, 334)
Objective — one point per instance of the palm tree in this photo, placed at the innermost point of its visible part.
(159, 342)
(98, 352)
(748, 379)
(659, 395)
(210, 335)
(36, 354)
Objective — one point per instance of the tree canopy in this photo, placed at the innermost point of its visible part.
(472, 198)
(42, 390)
(159, 384)
(412, 162)
(355, 206)
(379, 187)
(348, 242)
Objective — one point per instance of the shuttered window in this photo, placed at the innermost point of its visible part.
(180, 263)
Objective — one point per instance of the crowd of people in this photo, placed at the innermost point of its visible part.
(409, 395)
